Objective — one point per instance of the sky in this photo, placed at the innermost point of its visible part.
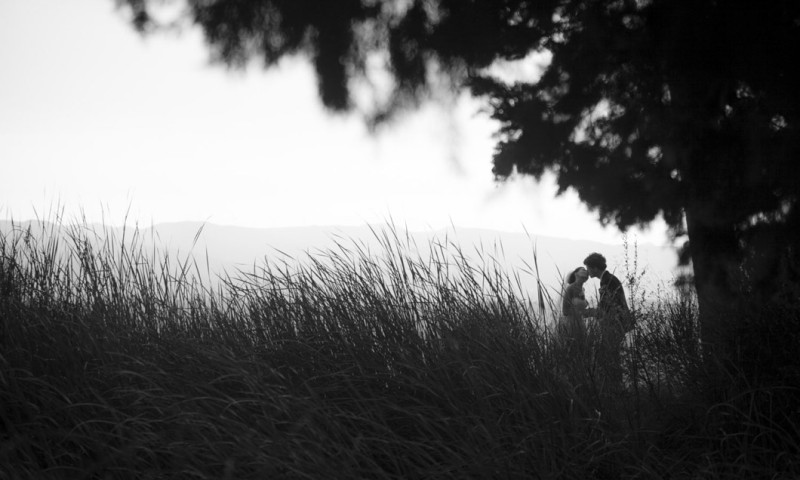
(98, 122)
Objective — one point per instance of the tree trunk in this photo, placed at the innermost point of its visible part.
(715, 260)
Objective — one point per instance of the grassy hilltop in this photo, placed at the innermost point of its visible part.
(117, 362)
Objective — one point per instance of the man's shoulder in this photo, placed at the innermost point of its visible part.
(609, 279)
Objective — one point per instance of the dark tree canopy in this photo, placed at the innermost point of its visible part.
(681, 108)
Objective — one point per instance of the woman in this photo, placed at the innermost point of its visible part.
(573, 306)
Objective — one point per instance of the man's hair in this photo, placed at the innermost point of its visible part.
(595, 260)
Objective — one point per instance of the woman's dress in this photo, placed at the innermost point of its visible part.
(571, 325)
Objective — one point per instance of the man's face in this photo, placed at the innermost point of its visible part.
(594, 272)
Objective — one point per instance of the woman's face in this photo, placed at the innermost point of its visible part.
(581, 275)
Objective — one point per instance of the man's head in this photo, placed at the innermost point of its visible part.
(595, 264)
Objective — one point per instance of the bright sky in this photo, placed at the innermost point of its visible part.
(99, 120)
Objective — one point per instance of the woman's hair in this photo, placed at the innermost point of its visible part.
(595, 260)
(572, 276)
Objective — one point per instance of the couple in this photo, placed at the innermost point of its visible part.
(613, 318)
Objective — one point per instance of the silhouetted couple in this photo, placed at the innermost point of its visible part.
(612, 317)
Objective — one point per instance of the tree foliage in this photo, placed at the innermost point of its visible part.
(685, 109)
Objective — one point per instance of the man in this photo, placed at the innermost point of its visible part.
(612, 306)
(613, 316)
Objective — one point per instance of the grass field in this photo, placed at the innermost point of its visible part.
(120, 362)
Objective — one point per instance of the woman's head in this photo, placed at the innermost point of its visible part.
(580, 274)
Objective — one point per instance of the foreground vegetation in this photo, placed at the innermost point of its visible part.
(119, 362)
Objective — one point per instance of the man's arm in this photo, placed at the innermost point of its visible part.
(612, 295)
(619, 295)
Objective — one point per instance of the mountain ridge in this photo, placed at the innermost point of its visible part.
(232, 248)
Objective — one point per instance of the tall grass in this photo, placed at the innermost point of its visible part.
(122, 362)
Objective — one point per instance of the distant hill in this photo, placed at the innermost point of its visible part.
(231, 248)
